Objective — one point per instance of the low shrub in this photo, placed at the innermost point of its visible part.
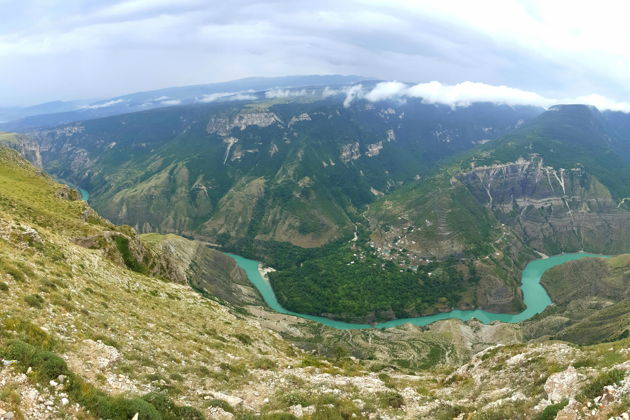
(15, 273)
(391, 399)
(313, 361)
(49, 365)
(264, 363)
(222, 404)
(20, 351)
(169, 410)
(281, 416)
(295, 398)
(550, 412)
(244, 338)
(594, 388)
(35, 301)
(29, 333)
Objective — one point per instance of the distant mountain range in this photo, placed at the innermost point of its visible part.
(62, 112)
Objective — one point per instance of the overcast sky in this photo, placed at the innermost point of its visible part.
(72, 49)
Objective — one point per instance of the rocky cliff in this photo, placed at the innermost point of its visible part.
(551, 209)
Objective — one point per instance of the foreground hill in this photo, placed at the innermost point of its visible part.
(97, 323)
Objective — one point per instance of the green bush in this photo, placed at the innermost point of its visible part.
(313, 361)
(279, 416)
(170, 411)
(29, 333)
(188, 413)
(594, 388)
(391, 399)
(264, 363)
(13, 272)
(244, 338)
(550, 412)
(49, 365)
(36, 301)
(327, 413)
(20, 351)
(295, 398)
(107, 340)
(122, 244)
(222, 404)
(3, 286)
(126, 408)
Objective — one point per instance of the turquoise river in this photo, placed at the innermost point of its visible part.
(535, 297)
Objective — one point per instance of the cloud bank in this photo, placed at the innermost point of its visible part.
(85, 49)
(227, 96)
(103, 105)
(287, 93)
(465, 93)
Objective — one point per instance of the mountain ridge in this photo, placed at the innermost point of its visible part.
(55, 113)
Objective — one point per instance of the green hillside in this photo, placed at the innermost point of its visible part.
(552, 186)
(471, 194)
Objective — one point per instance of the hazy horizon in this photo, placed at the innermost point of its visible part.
(103, 49)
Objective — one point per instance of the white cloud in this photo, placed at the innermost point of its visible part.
(465, 93)
(386, 90)
(138, 45)
(353, 93)
(227, 96)
(602, 103)
(171, 102)
(103, 105)
(286, 93)
(328, 91)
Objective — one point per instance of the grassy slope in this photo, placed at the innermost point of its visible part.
(77, 294)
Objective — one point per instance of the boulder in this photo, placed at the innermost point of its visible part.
(562, 385)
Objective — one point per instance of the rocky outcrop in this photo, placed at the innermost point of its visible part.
(302, 117)
(562, 385)
(349, 152)
(223, 125)
(203, 268)
(373, 149)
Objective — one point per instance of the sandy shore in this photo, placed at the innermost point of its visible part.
(264, 271)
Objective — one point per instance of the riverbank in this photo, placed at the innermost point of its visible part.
(264, 272)
(535, 296)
